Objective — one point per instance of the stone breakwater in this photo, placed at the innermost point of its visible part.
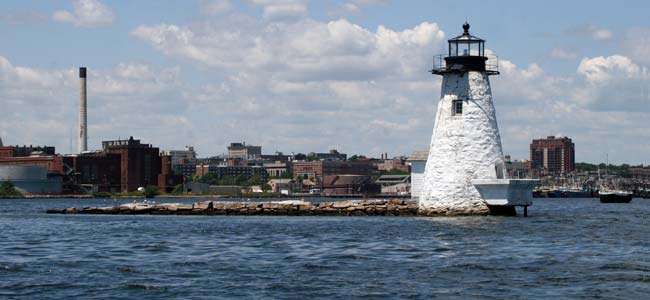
(393, 207)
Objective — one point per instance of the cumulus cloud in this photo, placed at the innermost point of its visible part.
(305, 49)
(86, 13)
(614, 83)
(298, 77)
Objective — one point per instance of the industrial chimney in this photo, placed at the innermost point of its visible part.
(83, 117)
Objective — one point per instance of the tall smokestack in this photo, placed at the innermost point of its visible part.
(83, 117)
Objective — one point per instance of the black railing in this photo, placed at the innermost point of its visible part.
(440, 65)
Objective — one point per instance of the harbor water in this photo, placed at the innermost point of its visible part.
(565, 249)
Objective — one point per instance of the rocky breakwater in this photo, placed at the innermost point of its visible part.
(393, 207)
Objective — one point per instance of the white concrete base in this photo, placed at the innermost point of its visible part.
(510, 192)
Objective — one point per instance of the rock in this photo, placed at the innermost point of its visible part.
(184, 207)
(206, 205)
(218, 205)
(344, 204)
(325, 204)
(395, 202)
(271, 205)
(357, 212)
(232, 206)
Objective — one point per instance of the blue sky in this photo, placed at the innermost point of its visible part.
(301, 76)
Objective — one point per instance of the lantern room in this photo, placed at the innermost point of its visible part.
(466, 53)
(466, 44)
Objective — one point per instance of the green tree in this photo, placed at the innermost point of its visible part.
(7, 189)
(396, 172)
(266, 187)
(356, 157)
(151, 191)
(178, 189)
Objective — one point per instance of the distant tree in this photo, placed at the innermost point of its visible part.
(396, 172)
(266, 187)
(151, 191)
(286, 175)
(209, 179)
(7, 189)
(178, 189)
(356, 157)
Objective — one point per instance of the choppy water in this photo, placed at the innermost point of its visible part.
(565, 249)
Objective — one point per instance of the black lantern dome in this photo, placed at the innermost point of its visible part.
(466, 53)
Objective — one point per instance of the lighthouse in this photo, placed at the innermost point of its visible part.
(465, 170)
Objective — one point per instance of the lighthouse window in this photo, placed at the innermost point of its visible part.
(457, 107)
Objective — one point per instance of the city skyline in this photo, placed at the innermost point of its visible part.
(298, 76)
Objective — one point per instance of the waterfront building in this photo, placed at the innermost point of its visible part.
(221, 171)
(31, 179)
(6, 151)
(317, 169)
(243, 151)
(417, 162)
(393, 164)
(95, 171)
(552, 156)
(339, 185)
(140, 163)
(53, 163)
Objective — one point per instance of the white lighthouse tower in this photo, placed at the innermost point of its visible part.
(466, 145)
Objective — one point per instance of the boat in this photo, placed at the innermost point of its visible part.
(612, 196)
(607, 196)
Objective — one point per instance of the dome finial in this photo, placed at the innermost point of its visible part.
(466, 27)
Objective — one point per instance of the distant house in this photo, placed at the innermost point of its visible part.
(418, 161)
(394, 184)
(283, 186)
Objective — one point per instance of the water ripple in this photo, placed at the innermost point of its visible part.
(566, 249)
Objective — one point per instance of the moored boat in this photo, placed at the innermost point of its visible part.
(614, 196)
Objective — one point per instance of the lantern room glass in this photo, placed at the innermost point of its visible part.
(466, 48)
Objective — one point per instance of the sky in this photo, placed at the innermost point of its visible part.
(309, 76)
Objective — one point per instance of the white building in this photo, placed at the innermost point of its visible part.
(417, 161)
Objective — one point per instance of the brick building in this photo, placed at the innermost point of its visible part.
(96, 171)
(167, 179)
(552, 156)
(317, 169)
(140, 164)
